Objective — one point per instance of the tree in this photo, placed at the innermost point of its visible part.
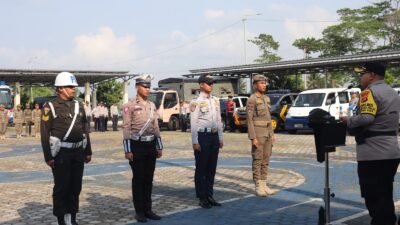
(267, 46)
(308, 45)
(36, 92)
(109, 92)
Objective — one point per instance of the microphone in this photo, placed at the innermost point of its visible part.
(334, 98)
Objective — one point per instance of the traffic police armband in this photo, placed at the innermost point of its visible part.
(367, 103)
(159, 145)
(127, 145)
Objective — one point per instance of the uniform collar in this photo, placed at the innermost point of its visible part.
(204, 95)
(139, 99)
(376, 83)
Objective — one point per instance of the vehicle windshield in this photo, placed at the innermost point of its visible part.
(274, 98)
(5, 98)
(156, 98)
(309, 100)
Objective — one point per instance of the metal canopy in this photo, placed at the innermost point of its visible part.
(291, 67)
(47, 77)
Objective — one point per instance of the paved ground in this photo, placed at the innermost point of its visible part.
(26, 184)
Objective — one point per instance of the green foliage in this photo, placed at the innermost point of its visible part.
(308, 45)
(36, 92)
(110, 92)
(267, 46)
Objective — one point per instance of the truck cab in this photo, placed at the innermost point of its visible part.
(167, 105)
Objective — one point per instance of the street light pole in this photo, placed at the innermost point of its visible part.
(244, 34)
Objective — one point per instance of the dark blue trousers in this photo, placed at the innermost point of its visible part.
(206, 164)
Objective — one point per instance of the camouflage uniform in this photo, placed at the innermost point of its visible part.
(36, 117)
(18, 120)
(3, 123)
(28, 120)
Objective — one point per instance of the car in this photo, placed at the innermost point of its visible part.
(280, 104)
(239, 118)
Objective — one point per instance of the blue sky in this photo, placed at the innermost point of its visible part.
(165, 38)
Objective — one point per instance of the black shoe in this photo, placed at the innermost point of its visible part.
(73, 219)
(212, 201)
(204, 203)
(140, 218)
(60, 220)
(151, 215)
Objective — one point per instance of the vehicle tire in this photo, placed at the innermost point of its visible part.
(292, 131)
(275, 123)
(173, 123)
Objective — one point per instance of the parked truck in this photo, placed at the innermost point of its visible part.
(172, 91)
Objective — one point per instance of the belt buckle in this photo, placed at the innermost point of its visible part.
(213, 130)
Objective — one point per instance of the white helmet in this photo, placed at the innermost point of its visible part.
(65, 79)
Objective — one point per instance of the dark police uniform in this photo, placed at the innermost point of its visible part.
(378, 153)
(69, 162)
(139, 113)
(206, 128)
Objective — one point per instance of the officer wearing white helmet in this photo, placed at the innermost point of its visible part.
(66, 146)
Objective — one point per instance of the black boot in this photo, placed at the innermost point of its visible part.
(140, 217)
(151, 215)
(73, 219)
(60, 220)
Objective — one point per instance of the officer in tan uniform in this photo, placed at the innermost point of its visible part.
(36, 117)
(375, 126)
(3, 122)
(142, 145)
(18, 120)
(28, 119)
(261, 134)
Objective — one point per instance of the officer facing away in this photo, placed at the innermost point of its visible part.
(206, 127)
(378, 154)
(261, 134)
(66, 146)
(142, 145)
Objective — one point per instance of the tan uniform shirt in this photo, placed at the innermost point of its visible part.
(259, 116)
(28, 115)
(36, 114)
(136, 113)
(18, 116)
(3, 116)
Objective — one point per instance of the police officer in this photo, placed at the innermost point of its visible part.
(114, 116)
(28, 119)
(261, 134)
(36, 117)
(142, 145)
(66, 147)
(88, 112)
(378, 153)
(18, 120)
(206, 127)
(3, 122)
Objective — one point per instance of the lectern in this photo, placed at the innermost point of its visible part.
(328, 134)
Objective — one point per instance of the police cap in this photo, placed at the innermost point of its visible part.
(374, 67)
(208, 79)
(144, 80)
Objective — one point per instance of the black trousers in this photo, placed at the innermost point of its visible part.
(376, 182)
(102, 121)
(115, 122)
(96, 123)
(231, 122)
(143, 166)
(206, 164)
(184, 122)
(89, 120)
(67, 173)
(105, 123)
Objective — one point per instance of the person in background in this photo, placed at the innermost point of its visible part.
(36, 117)
(114, 116)
(96, 115)
(88, 111)
(28, 119)
(3, 122)
(230, 112)
(18, 120)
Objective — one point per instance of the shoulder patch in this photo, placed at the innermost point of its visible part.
(126, 109)
(45, 118)
(367, 103)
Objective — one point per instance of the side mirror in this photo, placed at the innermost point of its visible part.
(329, 101)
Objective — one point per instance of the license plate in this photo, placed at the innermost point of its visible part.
(298, 125)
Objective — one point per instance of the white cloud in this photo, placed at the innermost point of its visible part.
(104, 47)
(279, 7)
(213, 14)
(312, 25)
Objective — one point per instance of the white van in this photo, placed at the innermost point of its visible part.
(333, 100)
